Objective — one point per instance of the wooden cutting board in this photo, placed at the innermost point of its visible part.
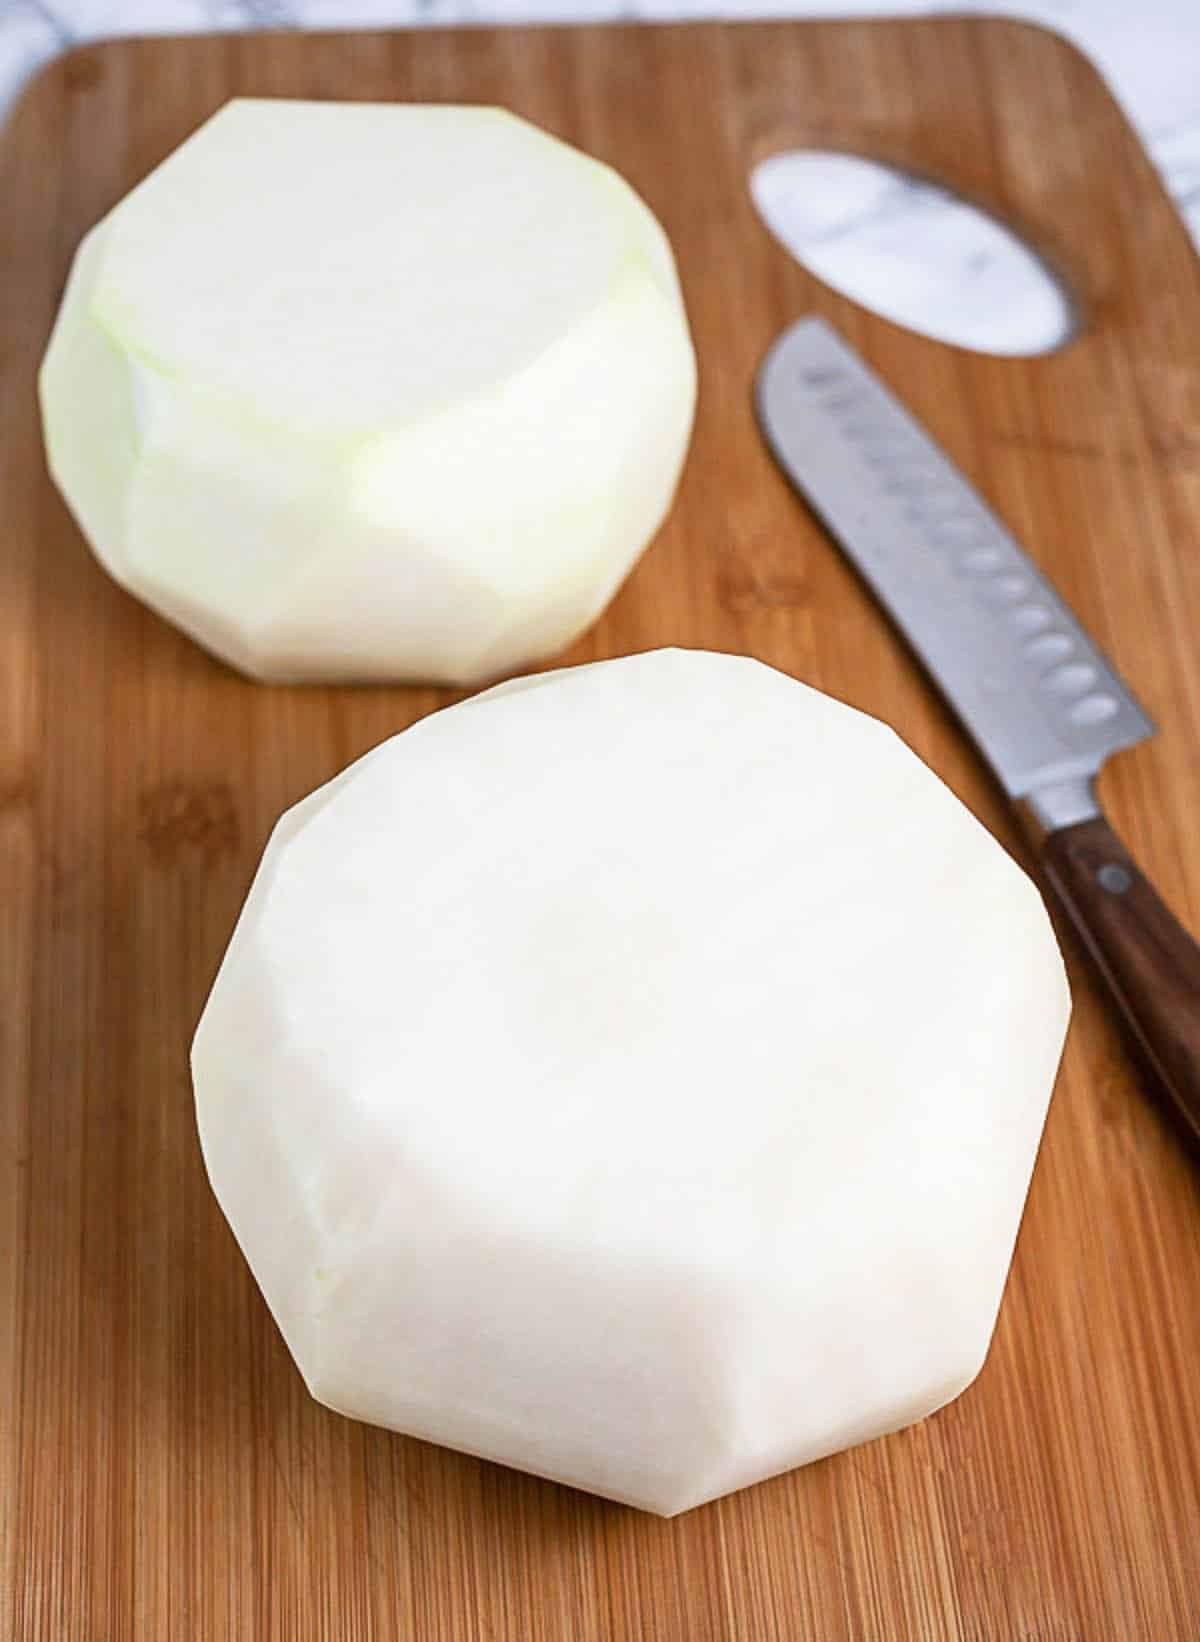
(162, 1472)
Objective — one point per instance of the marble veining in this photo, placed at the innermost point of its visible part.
(913, 252)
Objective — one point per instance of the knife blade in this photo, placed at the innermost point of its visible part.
(1041, 701)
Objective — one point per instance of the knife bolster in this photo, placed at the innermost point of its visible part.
(1060, 804)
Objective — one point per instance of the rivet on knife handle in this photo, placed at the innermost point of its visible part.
(1146, 961)
(1037, 695)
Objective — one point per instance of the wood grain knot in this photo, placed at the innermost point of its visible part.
(181, 820)
(742, 587)
(17, 793)
(81, 71)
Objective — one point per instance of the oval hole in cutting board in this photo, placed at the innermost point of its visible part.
(912, 252)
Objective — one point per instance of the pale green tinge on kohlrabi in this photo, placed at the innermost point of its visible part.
(362, 391)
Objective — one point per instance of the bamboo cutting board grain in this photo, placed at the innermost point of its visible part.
(162, 1472)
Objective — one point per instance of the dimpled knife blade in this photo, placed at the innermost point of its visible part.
(1040, 700)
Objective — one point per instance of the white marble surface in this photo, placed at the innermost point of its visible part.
(912, 252)
(1148, 49)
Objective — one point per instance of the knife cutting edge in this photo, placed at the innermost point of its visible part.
(1039, 699)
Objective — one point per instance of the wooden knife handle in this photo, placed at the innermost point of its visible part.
(1147, 961)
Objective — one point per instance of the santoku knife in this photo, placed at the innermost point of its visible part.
(1041, 702)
